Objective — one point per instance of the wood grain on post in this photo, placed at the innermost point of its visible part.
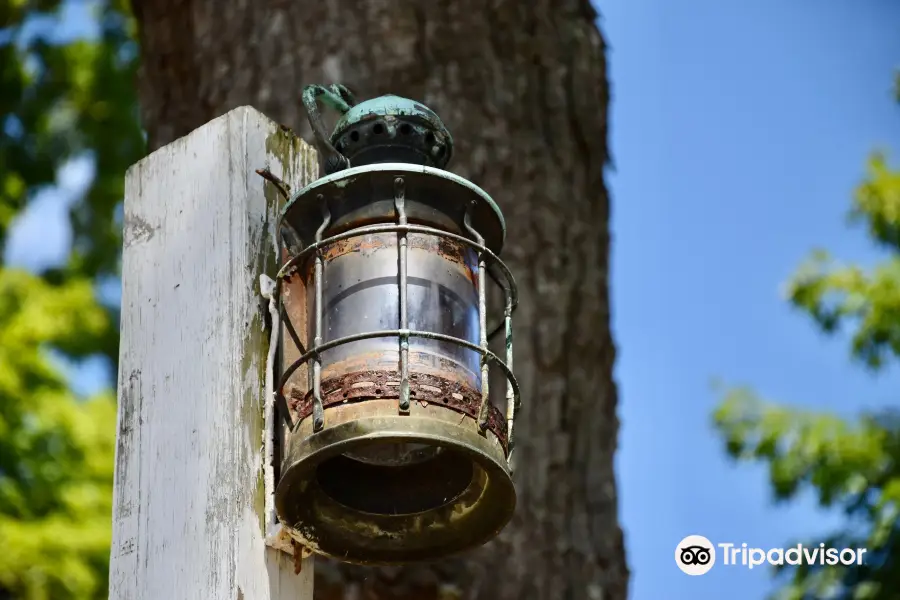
(190, 509)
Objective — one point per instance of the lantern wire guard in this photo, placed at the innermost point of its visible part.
(397, 454)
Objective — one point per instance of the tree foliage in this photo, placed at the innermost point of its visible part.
(56, 451)
(853, 466)
(61, 97)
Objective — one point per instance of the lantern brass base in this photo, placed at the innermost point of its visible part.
(424, 505)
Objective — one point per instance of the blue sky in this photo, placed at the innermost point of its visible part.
(739, 130)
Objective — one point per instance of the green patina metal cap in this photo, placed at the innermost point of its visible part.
(387, 129)
(392, 129)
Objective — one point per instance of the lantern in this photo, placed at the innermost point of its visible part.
(398, 453)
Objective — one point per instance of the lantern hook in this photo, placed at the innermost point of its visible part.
(340, 99)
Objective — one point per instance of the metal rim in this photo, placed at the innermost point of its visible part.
(320, 523)
(309, 193)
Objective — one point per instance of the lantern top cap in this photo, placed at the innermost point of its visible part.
(388, 105)
(391, 128)
(386, 129)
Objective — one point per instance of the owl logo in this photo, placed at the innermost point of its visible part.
(695, 555)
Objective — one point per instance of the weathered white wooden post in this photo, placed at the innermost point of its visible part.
(193, 473)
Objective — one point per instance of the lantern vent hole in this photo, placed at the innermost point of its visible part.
(378, 129)
(396, 478)
(405, 129)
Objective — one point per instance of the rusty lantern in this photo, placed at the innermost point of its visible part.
(398, 453)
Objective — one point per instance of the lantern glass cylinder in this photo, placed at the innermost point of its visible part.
(361, 295)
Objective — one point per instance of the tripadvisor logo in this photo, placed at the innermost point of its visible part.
(696, 555)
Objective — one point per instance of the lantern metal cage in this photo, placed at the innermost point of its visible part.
(398, 453)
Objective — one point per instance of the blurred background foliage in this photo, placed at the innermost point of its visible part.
(63, 99)
(850, 466)
(60, 100)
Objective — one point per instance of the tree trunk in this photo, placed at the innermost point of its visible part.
(522, 86)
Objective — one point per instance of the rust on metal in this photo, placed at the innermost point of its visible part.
(448, 249)
(300, 552)
(425, 388)
(294, 293)
(366, 243)
(283, 188)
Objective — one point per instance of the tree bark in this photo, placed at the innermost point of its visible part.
(522, 86)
